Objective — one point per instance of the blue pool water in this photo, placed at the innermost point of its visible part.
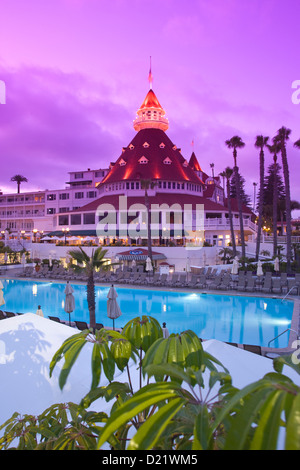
(237, 319)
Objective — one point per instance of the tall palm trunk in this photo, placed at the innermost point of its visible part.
(149, 239)
(260, 143)
(91, 299)
(287, 207)
(239, 201)
(230, 217)
(281, 139)
(275, 199)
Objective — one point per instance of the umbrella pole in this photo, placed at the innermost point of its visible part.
(113, 324)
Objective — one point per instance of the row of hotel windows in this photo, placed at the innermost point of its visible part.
(160, 185)
(80, 175)
(78, 195)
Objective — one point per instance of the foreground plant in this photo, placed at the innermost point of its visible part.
(182, 399)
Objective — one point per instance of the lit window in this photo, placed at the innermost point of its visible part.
(122, 162)
(162, 145)
(131, 147)
(146, 145)
(185, 163)
(143, 160)
(167, 161)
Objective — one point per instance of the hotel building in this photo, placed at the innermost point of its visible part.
(151, 178)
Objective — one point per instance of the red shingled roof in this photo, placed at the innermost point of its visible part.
(159, 198)
(128, 167)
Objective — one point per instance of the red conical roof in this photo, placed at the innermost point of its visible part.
(151, 155)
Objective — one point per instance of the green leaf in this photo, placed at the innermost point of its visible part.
(70, 357)
(201, 430)
(96, 365)
(292, 441)
(266, 433)
(143, 399)
(149, 433)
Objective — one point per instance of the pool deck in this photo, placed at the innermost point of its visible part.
(266, 351)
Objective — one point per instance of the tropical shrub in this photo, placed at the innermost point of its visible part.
(184, 399)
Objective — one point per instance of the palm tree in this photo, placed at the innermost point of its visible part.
(274, 150)
(19, 179)
(260, 143)
(89, 264)
(227, 173)
(283, 135)
(235, 143)
(147, 184)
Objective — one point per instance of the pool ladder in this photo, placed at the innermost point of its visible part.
(288, 329)
(293, 287)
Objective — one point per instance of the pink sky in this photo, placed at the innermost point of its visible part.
(76, 72)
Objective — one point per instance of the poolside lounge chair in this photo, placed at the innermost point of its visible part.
(276, 286)
(143, 279)
(2, 316)
(213, 273)
(161, 281)
(250, 286)
(155, 279)
(201, 282)
(208, 272)
(99, 326)
(10, 314)
(283, 280)
(216, 282)
(193, 281)
(81, 325)
(252, 348)
(225, 282)
(133, 278)
(173, 280)
(181, 282)
(293, 287)
(241, 285)
(55, 319)
(125, 276)
(267, 285)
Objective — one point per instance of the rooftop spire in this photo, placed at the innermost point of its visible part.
(150, 76)
(151, 114)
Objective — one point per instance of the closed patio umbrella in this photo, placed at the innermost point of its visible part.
(259, 271)
(149, 266)
(188, 267)
(276, 264)
(113, 308)
(2, 301)
(69, 301)
(133, 263)
(235, 266)
(23, 260)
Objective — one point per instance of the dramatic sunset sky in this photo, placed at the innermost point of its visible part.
(76, 71)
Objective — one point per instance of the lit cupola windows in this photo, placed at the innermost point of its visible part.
(167, 161)
(122, 162)
(146, 145)
(162, 145)
(143, 160)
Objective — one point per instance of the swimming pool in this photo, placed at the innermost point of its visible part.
(236, 319)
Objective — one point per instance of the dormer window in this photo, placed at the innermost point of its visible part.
(185, 163)
(122, 162)
(167, 161)
(143, 160)
(175, 147)
(146, 145)
(131, 147)
(162, 145)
